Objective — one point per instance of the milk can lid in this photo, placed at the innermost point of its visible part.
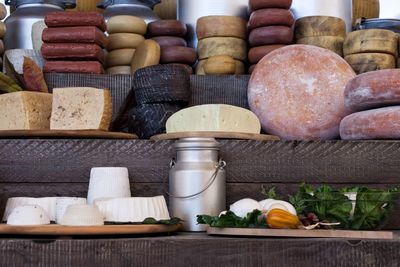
(61, 3)
(106, 3)
(197, 143)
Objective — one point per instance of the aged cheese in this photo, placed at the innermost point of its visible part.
(1, 47)
(221, 26)
(271, 35)
(381, 123)
(2, 29)
(82, 215)
(240, 67)
(83, 34)
(119, 70)
(46, 203)
(81, 108)
(28, 215)
(120, 57)
(148, 53)
(259, 4)
(25, 111)
(258, 52)
(333, 43)
(364, 62)
(178, 54)
(220, 65)
(72, 19)
(168, 27)
(269, 17)
(169, 41)
(91, 67)
(371, 41)
(124, 40)
(214, 117)
(297, 92)
(3, 11)
(229, 46)
(373, 89)
(126, 24)
(320, 26)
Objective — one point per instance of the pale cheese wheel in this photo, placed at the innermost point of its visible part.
(221, 26)
(147, 54)
(271, 35)
(119, 70)
(259, 4)
(240, 67)
(3, 11)
(124, 40)
(126, 24)
(365, 62)
(333, 43)
(2, 29)
(269, 17)
(381, 123)
(319, 26)
(371, 41)
(1, 47)
(374, 89)
(120, 57)
(229, 46)
(220, 65)
(258, 52)
(297, 92)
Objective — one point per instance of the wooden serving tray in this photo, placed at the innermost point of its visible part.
(67, 134)
(218, 135)
(55, 229)
(300, 233)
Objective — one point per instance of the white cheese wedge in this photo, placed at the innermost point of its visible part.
(244, 206)
(48, 204)
(28, 215)
(214, 117)
(135, 209)
(25, 111)
(81, 108)
(82, 215)
(62, 204)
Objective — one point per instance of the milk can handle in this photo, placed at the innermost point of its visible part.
(221, 165)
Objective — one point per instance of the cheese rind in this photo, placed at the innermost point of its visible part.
(333, 43)
(365, 62)
(81, 108)
(229, 46)
(126, 24)
(214, 117)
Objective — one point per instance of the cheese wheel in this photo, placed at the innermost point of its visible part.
(2, 29)
(170, 41)
(271, 35)
(259, 4)
(258, 52)
(126, 24)
(72, 51)
(120, 57)
(119, 70)
(373, 90)
(168, 27)
(371, 41)
(91, 67)
(220, 65)
(229, 46)
(187, 68)
(1, 47)
(320, 26)
(251, 68)
(178, 54)
(368, 9)
(3, 11)
(240, 67)
(124, 40)
(365, 62)
(147, 54)
(72, 19)
(381, 123)
(221, 26)
(269, 17)
(84, 34)
(333, 43)
(297, 92)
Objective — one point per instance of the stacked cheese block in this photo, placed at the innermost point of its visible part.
(126, 33)
(170, 35)
(74, 42)
(222, 46)
(322, 31)
(270, 27)
(372, 49)
(3, 14)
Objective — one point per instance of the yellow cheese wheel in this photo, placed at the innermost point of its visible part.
(124, 40)
(319, 26)
(333, 43)
(220, 65)
(120, 57)
(239, 69)
(365, 9)
(2, 29)
(364, 62)
(148, 53)
(119, 70)
(126, 24)
(228, 46)
(221, 26)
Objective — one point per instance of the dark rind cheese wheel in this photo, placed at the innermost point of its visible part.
(162, 83)
(258, 52)
(320, 26)
(90, 67)
(259, 4)
(178, 54)
(147, 120)
(365, 62)
(73, 51)
(271, 35)
(168, 27)
(382, 123)
(297, 92)
(188, 68)
(72, 19)
(374, 89)
(269, 17)
(169, 41)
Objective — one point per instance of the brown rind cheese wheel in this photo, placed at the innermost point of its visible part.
(269, 17)
(126, 24)
(219, 65)
(120, 57)
(89, 67)
(259, 4)
(365, 62)
(3, 11)
(124, 40)
(168, 27)
(251, 68)
(170, 41)
(178, 54)
(271, 35)
(333, 43)
(258, 52)
(240, 67)
(2, 29)
(221, 26)
(147, 54)
(229, 46)
(320, 26)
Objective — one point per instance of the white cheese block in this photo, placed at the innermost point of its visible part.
(63, 203)
(25, 111)
(47, 203)
(82, 215)
(214, 117)
(135, 209)
(81, 108)
(244, 206)
(28, 215)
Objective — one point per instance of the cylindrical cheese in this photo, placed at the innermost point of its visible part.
(259, 4)
(320, 26)
(229, 46)
(221, 26)
(364, 62)
(124, 40)
(126, 24)
(220, 65)
(178, 54)
(2, 29)
(333, 43)
(91, 67)
(258, 52)
(240, 67)
(119, 70)
(147, 54)
(269, 17)
(170, 41)
(166, 28)
(1, 47)
(271, 35)
(120, 57)
(3, 11)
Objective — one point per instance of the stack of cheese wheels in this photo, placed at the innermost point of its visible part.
(372, 49)
(3, 14)
(74, 42)
(222, 46)
(126, 33)
(322, 31)
(374, 99)
(270, 27)
(170, 35)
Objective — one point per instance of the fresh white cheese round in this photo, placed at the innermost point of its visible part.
(62, 204)
(48, 204)
(244, 206)
(28, 215)
(82, 215)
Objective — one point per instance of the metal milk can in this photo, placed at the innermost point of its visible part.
(196, 181)
(139, 8)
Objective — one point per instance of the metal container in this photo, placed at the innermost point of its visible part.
(19, 23)
(138, 8)
(335, 8)
(389, 9)
(196, 181)
(188, 11)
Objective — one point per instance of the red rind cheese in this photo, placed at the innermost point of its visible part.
(74, 51)
(382, 123)
(258, 52)
(169, 41)
(91, 67)
(297, 92)
(84, 34)
(167, 27)
(178, 54)
(72, 19)
(259, 4)
(269, 17)
(271, 35)
(373, 89)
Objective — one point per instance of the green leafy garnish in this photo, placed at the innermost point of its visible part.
(231, 220)
(269, 193)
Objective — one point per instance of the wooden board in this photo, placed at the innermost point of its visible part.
(300, 233)
(67, 134)
(55, 229)
(218, 135)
